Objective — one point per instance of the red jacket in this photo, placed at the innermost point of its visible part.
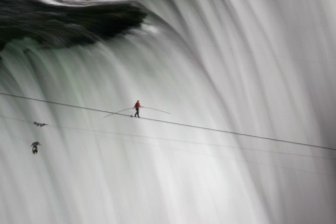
(137, 105)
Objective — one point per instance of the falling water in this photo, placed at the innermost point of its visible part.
(254, 68)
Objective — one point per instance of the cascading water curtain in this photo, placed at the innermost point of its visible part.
(236, 124)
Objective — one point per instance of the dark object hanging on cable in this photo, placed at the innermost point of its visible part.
(34, 146)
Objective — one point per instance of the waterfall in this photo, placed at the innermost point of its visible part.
(248, 87)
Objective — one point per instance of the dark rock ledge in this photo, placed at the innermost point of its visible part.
(56, 26)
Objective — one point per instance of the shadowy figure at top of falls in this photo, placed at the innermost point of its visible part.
(57, 26)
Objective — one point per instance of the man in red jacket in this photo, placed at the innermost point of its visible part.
(136, 107)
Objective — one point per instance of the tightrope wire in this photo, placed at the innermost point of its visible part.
(172, 123)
